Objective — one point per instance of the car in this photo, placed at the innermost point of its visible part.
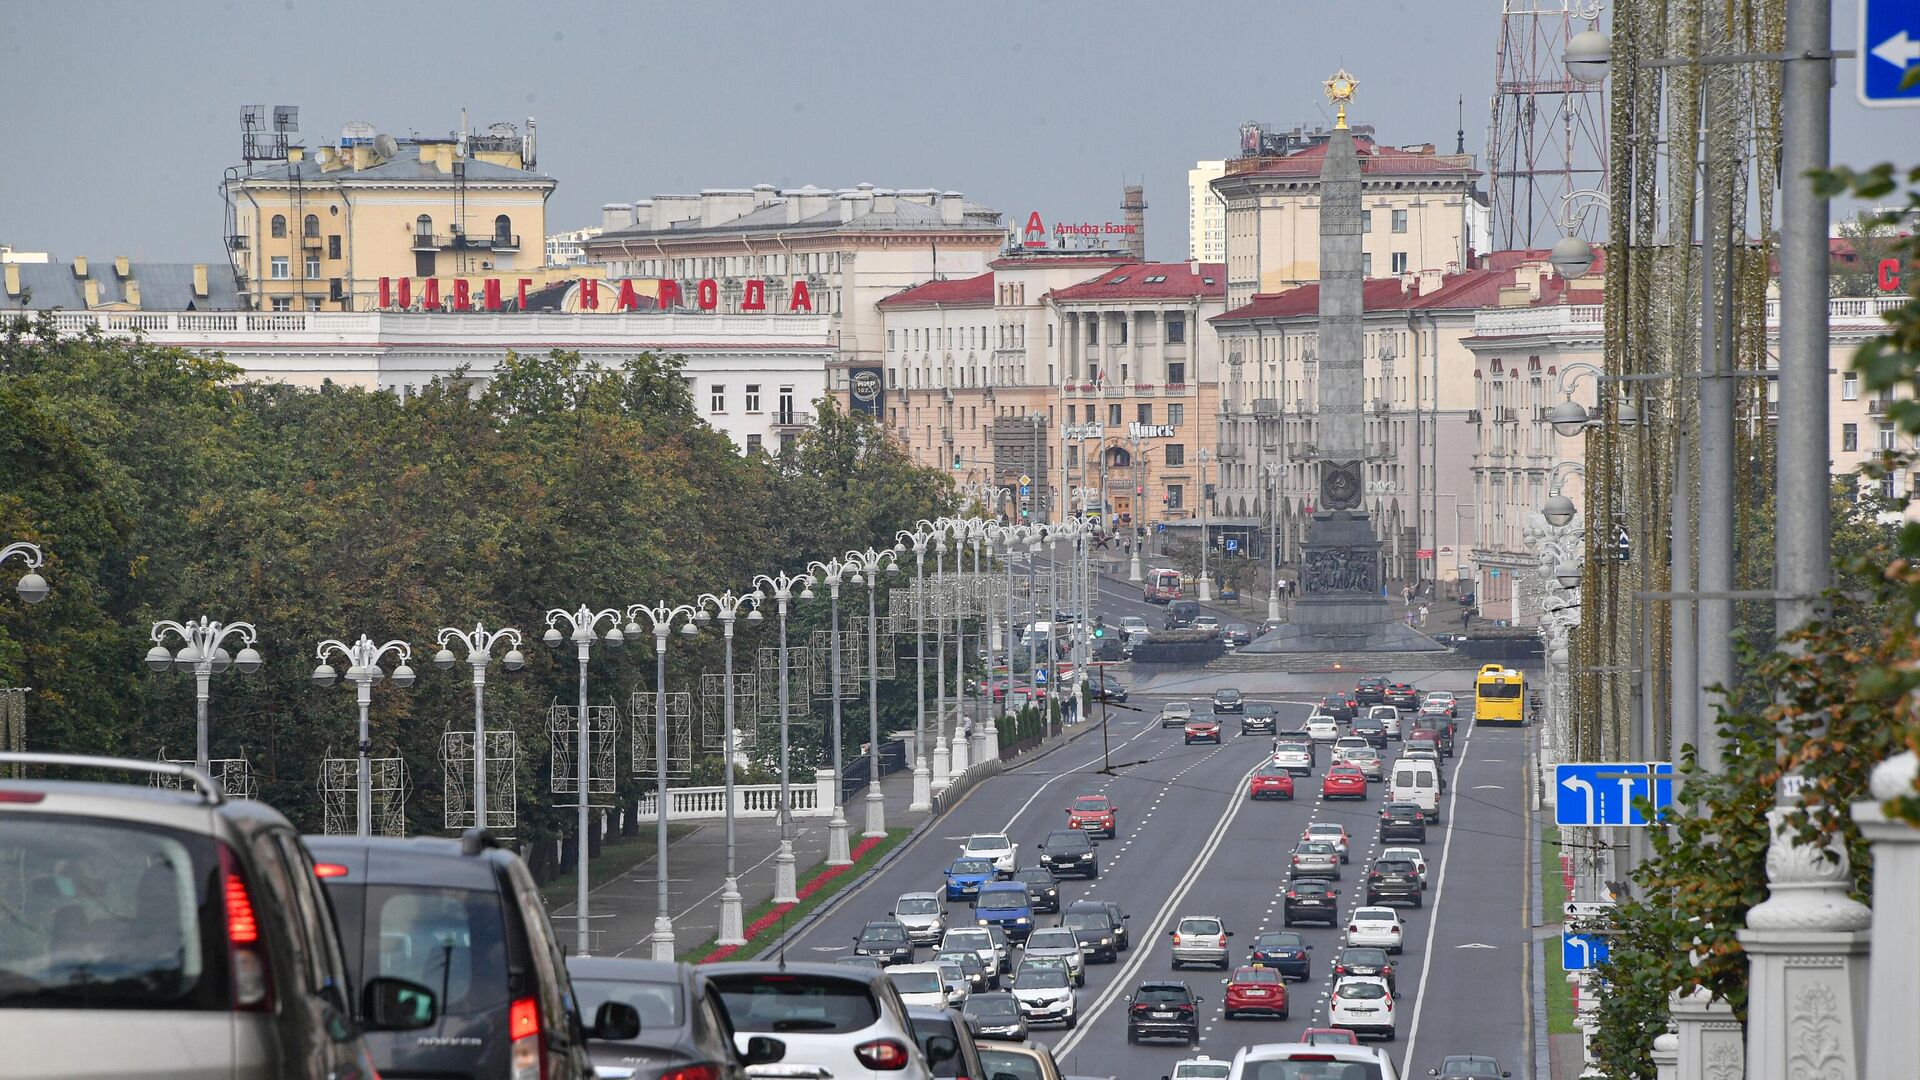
(1267, 626)
(996, 848)
(1002, 945)
(1096, 929)
(978, 977)
(945, 1041)
(885, 940)
(1442, 698)
(1042, 886)
(871, 963)
(1413, 780)
(919, 984)
(1315, 859)
(1119, 918)
(1393, 724)
(1175, 714)
(1403, 821)
(1200, 1068)
(1295, 757)
(965, 876)
(1163, 1010)
(1020, 1061)
(1412, 855)
(421, 907)
(1104, 687)
(1046, 996)
(958, 983)
(1370, 728)
(1134, 624)
(1363, 960)
(1333, 833)
(1200, 939)
(978, 941)
(222, 957)
(1320, 1052)
(1256, 990)
(1371, 690)
(1439, 728)
(1469, 1067)
(1388, 715)
(1402, 696)
(1369, 763)
(1228, 700)
(924, 916)
(1311, 899)
(1363, 1006)
(1201, 729)
(1320, 1036)
(1343, 782)
(836, 1019)
(1007, 905)
(1346, 744)
(1062, 942)
(1377, 926)
(682, 1029)
(1205, 622)
(1181, 613)
(1285, 952)
(1393, 879)
(1070, 851)
(995, 1015)
(1323, 727)
(1237, 634)
(1342, 706)
(1271, 781)
(1092, 814)
(1259, 719)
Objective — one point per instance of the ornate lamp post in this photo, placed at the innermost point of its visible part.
(1206, 528)
(833, 572)
(479, 648)
(363, 670)
(1273, 540)
(32, 587)
(868, 564)
(942, 528)
(583, 626)
(727, 607)
(661, 618)
(201, 652)
(921, 538)
(780, 588)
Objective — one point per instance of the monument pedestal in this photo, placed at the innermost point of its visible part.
(1340, 609)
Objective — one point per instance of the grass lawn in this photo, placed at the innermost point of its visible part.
(617, 853)
(1553, 896)
(769, 920)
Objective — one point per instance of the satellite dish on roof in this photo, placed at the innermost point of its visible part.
(501, 131)
(385, 146)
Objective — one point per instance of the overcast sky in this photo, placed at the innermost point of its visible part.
(120, 116)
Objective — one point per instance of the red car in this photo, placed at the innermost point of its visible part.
(1092, 814)
(1329, 1037)
(1271, 782)
(1256, 989)
(1344, 782)
(1202, 729)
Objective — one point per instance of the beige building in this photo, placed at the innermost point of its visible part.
(321, 230)
(1206, 214)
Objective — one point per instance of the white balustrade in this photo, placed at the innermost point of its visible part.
(750, 801)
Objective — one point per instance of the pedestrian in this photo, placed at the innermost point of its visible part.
(1423, 614)
(1466, 617)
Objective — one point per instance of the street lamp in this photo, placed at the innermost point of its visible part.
(1558, 509)
(942, 752)
(780, 588)
(833, 572)
(1588, 54)
(1567, 573)
(728, 606)
(583, 630)
(363, 670)
(921, 537)
(1272, 472)
(32, 587)
(1206, 528)
(661, 618)
(202, 654)
(867, 566)
(479, 647)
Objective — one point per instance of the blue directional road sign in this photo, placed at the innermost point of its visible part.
(1233, 545)
(1604, 792)
(1578, 952)
(1889, 50)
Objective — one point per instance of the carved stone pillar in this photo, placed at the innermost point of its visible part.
(1893, 1006)
(1807, 976)
(1710, 1045)
(1666, 1056)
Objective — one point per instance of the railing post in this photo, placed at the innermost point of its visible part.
(1893, 966)
(1711, 1046)
(826, 793)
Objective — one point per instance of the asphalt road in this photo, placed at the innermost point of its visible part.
(1191, 843)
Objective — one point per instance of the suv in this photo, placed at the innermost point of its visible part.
(206, 912)
(1181, 613)
(1070, 851)
(1441, 729)
(1175, 714)
(1341, 707)
(463, 914)
(1371, 690)
(946, 1041)
(1402, 696)
(1311, 899)
(1259, 718)
(682, 1030)
(843, 1020)
(1163, 1010)
(1403, 821)
(1393, 879)
(1097, 929)
(1228, 700)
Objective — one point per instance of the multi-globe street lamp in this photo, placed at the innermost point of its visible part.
(1272, 474)
(727, 607)
(479, 643)
(867, 565)
(363, 670)
(832, 572)
(661, 619)
(31, 587)
(943, 528)
(780, 589)
(583, 629)
(921, 537)
(202, 652)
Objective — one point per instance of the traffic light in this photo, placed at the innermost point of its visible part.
(1099, 626)
(956, 462)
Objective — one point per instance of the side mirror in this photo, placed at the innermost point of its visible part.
(615, 1021)
(1126, 916)
(1229, 933)
(941, 1048)
(1433, 1072)
(764, 1050)
(397, 1005)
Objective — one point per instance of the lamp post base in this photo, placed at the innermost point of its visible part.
(663, 938)
(733, 923)
(786, 885)
(942, 763)
(1273, 603)
(990, 742)
(1133, 565)
(1206, 588)
(876, 810)
(838, 852)
(960, 749)
(922, 788)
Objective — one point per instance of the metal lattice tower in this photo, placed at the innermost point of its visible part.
(233, 775)
(503, 779)
(1549, 133)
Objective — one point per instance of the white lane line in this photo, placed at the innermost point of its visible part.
(1439, 886)
(1012, 821)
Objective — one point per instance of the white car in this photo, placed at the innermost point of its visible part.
(1134, 624)
(1363, 1005)
(1389, 718)
(1330, 833)
(1062, 942)
(924, 916)
(1345, 745)
(977, 941)
(996, 847)
(1440, 701)
(1368, 762)
(1322, 727)
(1176, 714)
(1292, 757)
(1200, 1068)
(919, 984)
(1410, 854)
(1046, 996)
(959, 986)
(1318, 1059)
(1375, 927)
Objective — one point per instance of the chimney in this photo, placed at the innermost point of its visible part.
(132, 290)
(851, 206)
(13, 279)
(80, 266)
(765, 195)
(1430, 282)
(615, 216)
(1193, 267)
(884, 201)
(953, 208)
(121, 268)
(200, 280)
(1133, 207)
(718, 206)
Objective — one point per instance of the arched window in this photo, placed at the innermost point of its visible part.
(502, 228)
(310, 228)
(423, 226)
(279, 226)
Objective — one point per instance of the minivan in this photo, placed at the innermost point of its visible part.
(1416, 782)
(1181, 613)
(1008, 905)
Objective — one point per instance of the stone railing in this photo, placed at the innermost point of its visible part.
(1590, 318)
(749, 801)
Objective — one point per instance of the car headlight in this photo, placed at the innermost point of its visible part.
(1022, 920)
(1106, 941)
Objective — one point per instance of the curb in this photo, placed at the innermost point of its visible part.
(1542, 1039)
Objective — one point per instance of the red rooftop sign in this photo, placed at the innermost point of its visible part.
(1035, 233)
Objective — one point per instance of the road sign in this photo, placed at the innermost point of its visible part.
(1233, 545)
(1026, 489)
(1889, 51)
(1589, 910)
(1025, 480)
(1579, 952)
(1604, 793)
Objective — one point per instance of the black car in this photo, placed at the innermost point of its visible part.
(1105, 687)
(945, 1041)
(995, 1016)
(1070, 851)
(1181, 613)
(1311, 900)
(1360, 960)
(1259, 718)
(885, 940)
(1163, 1010)
(1095, 928)
(1043, 889)
(1228, 700)
(1468, 1067)
(1370, 728)
(1119, 921)
(1402, 696)
(682, 1030)
(1371, 690)
(1341, 707)
(1284, 951)
(1393, 880)
(1237, 634)
(1403, 821)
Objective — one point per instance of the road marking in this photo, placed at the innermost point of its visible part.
(1439, 886)
(1476, 945)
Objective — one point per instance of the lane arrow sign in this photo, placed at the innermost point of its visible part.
(1898, 50)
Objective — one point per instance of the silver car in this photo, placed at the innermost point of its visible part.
(1058, 941)
(829, 1016)
(1176, 714)
(1316, 858)
(924, 916)
(1201, 939)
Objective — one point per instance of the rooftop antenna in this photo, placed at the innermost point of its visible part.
(1460, 133)
(286, 118)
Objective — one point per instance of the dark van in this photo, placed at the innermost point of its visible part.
(1181, 613)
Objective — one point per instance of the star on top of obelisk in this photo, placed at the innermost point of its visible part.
(1340, 90)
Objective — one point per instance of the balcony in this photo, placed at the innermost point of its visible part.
(459, 241)
(313, 243)
(237, 242)
(1266, 406)
(1877, 406)
(1473, 416)
(798, 421)
(1506, 414)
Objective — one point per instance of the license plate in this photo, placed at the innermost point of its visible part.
(1163, 1016)
(1257, 993)
(1362, 1009)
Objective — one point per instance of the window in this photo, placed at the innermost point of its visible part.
(1366, 264)
(1850, 386)
(1176, 496)
(311, 266)
(313, 303)
(1886, 435)
(1123, 331)
(502, 230)
(1144, 412)
(333, 246)
(1176, 414)
(279, 226)
(753, 397)
(283, 303)
(279, 268)
(1113, 415)
(1366, 221)
(1400, 221)
(786, 405)
(717, 398)
(754, 444)
(889, 341)
(1399, 262)
(423, 226)
(1093, 331)
(1176, 330)
(310, 227)
(1176, 374)
(1176, 454)
(1049, 335)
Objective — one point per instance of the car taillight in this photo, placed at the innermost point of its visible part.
(527, 1055)
(1376, 874)
(882, 1054)
(1291, 895)
(1353, 929)
(1393, 929)
(22, 796)
(252, 982)
(1296, 860)
(329, 870)
(693, 1072)
(1223, 941)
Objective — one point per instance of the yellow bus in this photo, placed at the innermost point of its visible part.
(1499, 696)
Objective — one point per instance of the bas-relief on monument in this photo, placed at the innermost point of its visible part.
(1341, 608)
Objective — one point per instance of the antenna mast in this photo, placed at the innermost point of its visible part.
(1549, 136)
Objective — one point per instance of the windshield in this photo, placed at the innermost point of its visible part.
(1468, 1067)
(1387, 867)
(1093, 804)
(1226, 695)
(1035, 875)
(1499, 691)
(1315, 848)
(1039, 978)
(967, 960)
(1277, 941)
(971, 940)
(987, 842)
(1072, 840)
(658, 1003)
(992, 1007)
(452, 940)
(1365, 991)
(882, 935)
(1164, 995)
(795, 1002)
(1364, 957)
(1201, 1072)
(972, 866)
(1314, 1068)
(1052, 939)
(920, 905)
(916, 982)
(1008, 1065)
(1256, 975)
(1086, 920)
(1003, 900)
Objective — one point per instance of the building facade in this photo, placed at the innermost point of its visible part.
(570, 248)
(1206, 214)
